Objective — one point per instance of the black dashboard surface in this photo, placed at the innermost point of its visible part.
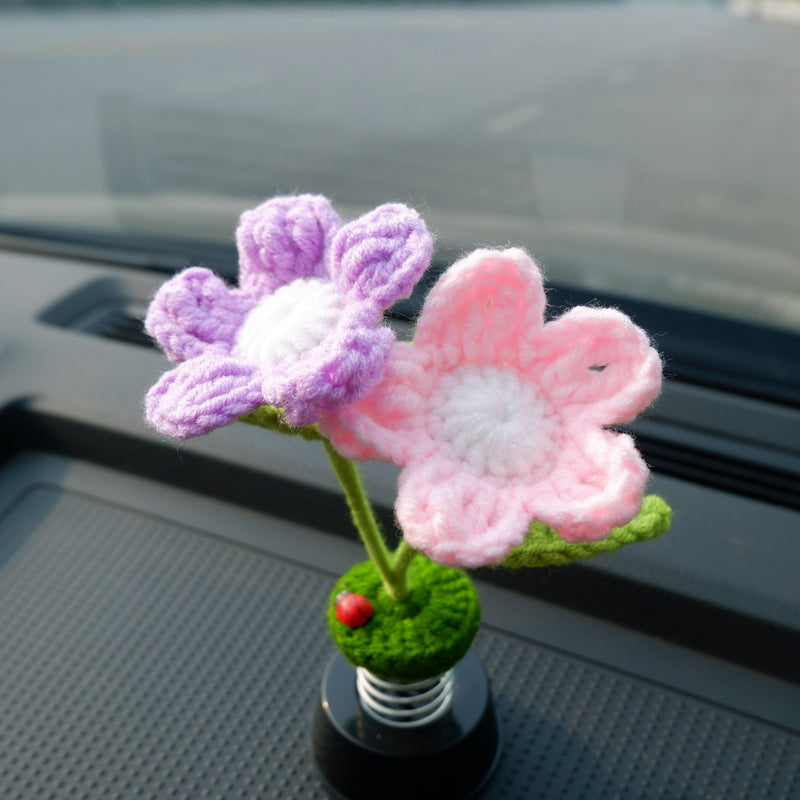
(163, 629)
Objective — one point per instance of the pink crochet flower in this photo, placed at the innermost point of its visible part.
(303, 330)
(497, 418)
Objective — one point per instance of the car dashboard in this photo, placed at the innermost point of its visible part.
(163, 605)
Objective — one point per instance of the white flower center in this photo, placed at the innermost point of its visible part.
(494, 421)
(288, 323)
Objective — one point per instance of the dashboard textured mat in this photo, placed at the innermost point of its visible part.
(140, 659)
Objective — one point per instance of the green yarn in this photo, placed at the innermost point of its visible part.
(419, 638)
(271, 419)
(544, 547)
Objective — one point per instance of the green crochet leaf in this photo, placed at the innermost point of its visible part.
(544, 547)
(272, 419)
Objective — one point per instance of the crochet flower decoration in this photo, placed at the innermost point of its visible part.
(498, 418)
(302, 332)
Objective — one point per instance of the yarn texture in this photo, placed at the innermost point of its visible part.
(419, 638)
(497, 418)
(543, 547)
(302, 331)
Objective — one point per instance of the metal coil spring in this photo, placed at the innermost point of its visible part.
(405, 705)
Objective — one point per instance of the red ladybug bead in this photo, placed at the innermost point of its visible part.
(352, 609)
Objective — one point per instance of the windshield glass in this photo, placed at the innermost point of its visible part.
(645, 149)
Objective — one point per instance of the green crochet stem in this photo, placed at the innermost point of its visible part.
(391, 566)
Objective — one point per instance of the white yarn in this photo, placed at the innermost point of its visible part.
(493, 420)
(291, 321)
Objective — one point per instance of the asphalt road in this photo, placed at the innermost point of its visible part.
(674, 119)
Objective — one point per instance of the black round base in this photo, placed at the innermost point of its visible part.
(360, 757)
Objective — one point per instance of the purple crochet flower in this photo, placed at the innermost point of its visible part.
(302, 332)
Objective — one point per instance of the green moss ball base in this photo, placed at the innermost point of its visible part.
(424, 636)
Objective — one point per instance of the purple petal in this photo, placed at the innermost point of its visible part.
(283, 239)
(380, 256)
(348, 364)
(202, 394)
(195, 312)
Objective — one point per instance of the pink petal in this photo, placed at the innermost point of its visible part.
(486, 309)
(195, 312)
(380, 256)
(596, 485)
(456, 518)
(569, 350)
(388, 422)
(202, 394)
